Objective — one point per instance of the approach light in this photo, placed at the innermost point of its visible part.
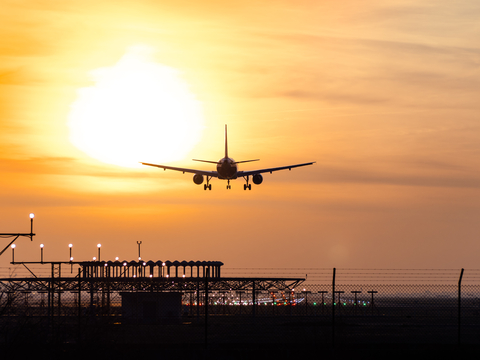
(32, 215)
(41, 246)
(99, 245)
(70, 245)
(13, 246)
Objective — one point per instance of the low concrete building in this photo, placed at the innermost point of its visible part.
(152, 307)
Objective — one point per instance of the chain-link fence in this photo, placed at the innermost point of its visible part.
(402, 307)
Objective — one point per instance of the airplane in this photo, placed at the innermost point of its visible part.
(227, 169)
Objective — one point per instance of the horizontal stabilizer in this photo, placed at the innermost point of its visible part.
(207, 161)
(244, 161)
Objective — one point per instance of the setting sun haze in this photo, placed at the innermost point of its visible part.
(382, 95)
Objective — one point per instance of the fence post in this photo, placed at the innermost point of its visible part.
(333, 308)
(254, 298)
(79, 306)
(207, 274)
(460, 306)
(198, 299)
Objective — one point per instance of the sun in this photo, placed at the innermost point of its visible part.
(138, 110)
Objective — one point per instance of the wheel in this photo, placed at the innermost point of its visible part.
(210, 187)
(244, 186)
(250, 187)
(204, 186)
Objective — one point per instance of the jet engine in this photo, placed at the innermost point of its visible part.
(198, 179)
(257, 179)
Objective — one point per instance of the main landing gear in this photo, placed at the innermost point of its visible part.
(247, 185)
(207, 185)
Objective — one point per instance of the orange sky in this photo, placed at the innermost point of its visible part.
(382, 95)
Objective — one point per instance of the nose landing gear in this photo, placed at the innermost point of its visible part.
(228, 185)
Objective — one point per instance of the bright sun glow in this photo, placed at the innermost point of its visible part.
(137, 111)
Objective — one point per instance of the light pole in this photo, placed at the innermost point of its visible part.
(139, 256)
(41, 253)
(99, 246)
(306, 292)
(13, 253)
(70, 247)
(32, 215)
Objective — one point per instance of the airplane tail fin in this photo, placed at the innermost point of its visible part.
(226, 142)
(226, 153)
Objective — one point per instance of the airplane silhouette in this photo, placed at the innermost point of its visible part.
(227, 169)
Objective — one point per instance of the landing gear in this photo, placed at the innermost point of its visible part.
(228, 185)
(247, 185)
(207, 185)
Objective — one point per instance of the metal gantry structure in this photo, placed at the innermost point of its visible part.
(108, 276)
(15, 236)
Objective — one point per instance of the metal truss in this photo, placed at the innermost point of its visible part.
(147, 284)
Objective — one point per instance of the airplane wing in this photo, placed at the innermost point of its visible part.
(193, 171)
(270, 170)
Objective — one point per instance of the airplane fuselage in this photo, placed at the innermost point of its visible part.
(227, 168)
